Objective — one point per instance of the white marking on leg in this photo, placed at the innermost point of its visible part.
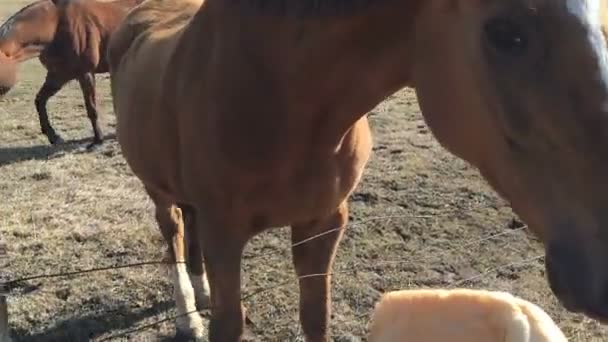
(201, 290)
(185, 302)
(589, 13)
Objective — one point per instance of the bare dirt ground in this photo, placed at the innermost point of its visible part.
(420, 218)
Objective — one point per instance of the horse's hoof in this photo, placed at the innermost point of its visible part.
(92, 146)
(187, 335)
(190, 328)
(201, 292)
(203, 303)
(56, 140)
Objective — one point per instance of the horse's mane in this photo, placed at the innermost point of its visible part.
(6, 27)
(305, 8)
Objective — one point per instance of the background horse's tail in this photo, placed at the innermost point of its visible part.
(129, 3)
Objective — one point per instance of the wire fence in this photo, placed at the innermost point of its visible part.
(11, 284)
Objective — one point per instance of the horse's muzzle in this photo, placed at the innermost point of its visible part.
(579, 287)
(4, 90)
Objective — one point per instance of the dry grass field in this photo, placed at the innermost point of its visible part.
(420, 218)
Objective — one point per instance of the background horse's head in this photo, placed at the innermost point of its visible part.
(519, 88)
(23, 36)
(8, 74)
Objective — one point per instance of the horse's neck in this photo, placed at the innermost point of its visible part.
(24, 45)
(25, 37)
(331, 70)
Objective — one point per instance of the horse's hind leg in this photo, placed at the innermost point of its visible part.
(87, 84)
(171, 223)
(314, 248)
(196, 267)
(52, 84)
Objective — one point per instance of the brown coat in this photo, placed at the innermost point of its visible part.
(245, 115)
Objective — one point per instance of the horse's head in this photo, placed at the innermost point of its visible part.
(27, 32)
(519, 88)
(8, 74)
(23, 36)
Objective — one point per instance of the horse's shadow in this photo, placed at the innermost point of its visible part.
(90, 327)
(11, 155)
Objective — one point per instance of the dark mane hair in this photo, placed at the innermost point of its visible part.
(6, 26)
(304, 8)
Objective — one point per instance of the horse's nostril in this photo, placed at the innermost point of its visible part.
(568, 275)
(597, 308)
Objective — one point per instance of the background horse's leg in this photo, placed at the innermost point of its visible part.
(87, 84)
(313, 261)
(170, 221)
(196, 267)
(4, 334)
(52, 84)
(222, 249)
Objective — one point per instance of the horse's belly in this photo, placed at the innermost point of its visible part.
(306, 188)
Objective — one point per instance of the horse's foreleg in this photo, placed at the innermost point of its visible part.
(87, 84)
(196, 267)
(170, 221)
(313, 261)
(52, 84)
(222, 250)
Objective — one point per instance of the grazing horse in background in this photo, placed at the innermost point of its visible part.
(70, 38)
(243, 115)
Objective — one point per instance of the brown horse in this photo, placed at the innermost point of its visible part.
(70, 38)
(244, 115)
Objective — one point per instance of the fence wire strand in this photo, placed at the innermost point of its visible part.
(11, 283)
(253, 293)
(286, 283)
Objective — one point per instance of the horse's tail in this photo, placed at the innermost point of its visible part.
(135, 2)
(129, 3)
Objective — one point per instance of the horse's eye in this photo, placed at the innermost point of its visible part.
(506, 37)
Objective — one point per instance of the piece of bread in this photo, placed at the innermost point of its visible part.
(460, 315)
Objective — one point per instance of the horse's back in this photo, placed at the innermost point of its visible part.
(81, 41)
(154, 21)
